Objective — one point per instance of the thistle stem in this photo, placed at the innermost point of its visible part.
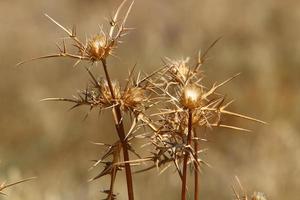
(112, 182)
(196, 169)
(186, 157)
(121, 133)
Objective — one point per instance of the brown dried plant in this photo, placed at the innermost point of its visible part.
(240, 193)
(180, 105)
(104, 94)
(186, 105)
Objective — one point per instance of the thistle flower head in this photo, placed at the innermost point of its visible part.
(97, 47)
(133, 97)
(258, 196)
(191, 96)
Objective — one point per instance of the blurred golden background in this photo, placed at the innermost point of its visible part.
(261, 39)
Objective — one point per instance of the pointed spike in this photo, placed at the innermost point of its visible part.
(60, 99)
(59, 25)
(203, 57)
(115, 18)
(127, 13)
(18, 182)
(228, 80)
(42, 57)
(233, 127)
(242, 116)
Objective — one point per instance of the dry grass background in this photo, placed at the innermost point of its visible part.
(261, 39)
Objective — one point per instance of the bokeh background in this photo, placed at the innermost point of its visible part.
(261, 39)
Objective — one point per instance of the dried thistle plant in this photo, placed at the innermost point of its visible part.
(180, 104)
(185, 105)
(240, 193)
(105, 94)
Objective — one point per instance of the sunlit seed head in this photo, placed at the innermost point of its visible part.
(184, 70)
(180, 70)
(258, 196)
(97, 47)
(134, 97)
(191, 96)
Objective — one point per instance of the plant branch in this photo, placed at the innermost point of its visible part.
(186, 157)
(121, 133)
(196, 169)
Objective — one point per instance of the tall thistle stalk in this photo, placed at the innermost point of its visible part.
(186, 156)
(196, 169)
(106, 94)
(118, 118)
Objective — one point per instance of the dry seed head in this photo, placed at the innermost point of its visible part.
(258, 196)
(191, 96)
(97, 47)
(106, 96)
(129, 99)
(133, 97)
(181, 70)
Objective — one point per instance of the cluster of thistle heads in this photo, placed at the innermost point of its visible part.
(166, 107)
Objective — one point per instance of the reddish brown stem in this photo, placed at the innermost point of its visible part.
(112, 182)
(196, 169)
(121, 133)
(186, 157)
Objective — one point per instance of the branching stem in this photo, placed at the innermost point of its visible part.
(118, 118)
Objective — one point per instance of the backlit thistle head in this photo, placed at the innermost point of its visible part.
(258, 196)
(133, 97)
(191, 96)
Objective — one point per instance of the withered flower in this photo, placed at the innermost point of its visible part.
(98, 47)
(191, 97)
(133, 97)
